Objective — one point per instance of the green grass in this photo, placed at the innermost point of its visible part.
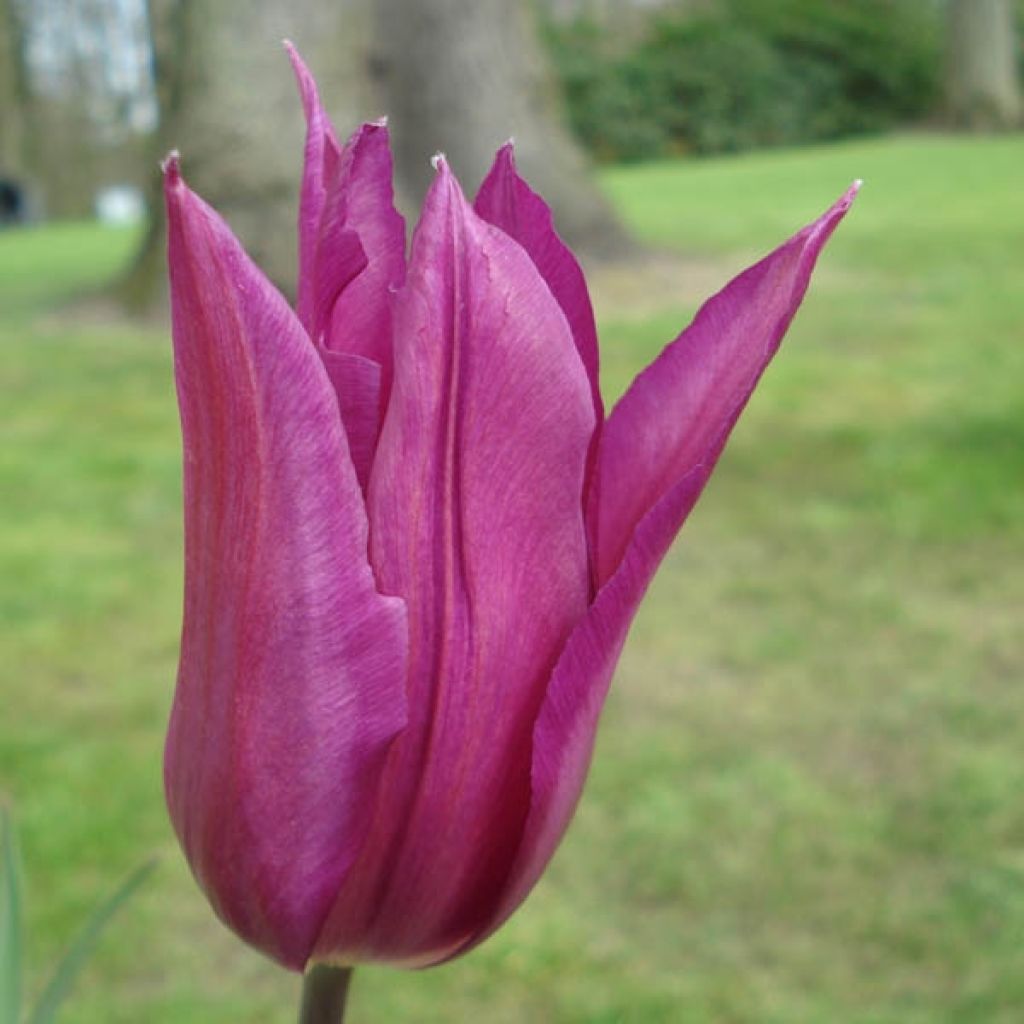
(806, 804)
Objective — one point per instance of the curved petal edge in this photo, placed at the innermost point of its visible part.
(747, 319)
(671, 418)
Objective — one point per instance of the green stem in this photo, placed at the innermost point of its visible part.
(324, 991)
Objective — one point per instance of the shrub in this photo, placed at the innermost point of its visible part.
(751, 74)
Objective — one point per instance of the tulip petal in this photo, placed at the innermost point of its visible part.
(291, 681)
(347, 216)
(320, 164)
(340, 260)
(356, 383)
(351, 256)
(563, 737)
(476, 521)
(361, 199)
(660, 442)
(507, 201)
(676, 414)
(352, 302)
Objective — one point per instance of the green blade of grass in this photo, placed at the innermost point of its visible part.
(67, 970)
(10, 924)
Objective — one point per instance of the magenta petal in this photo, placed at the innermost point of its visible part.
(476, 521)
(351, 304)
(340, 259)
(563, 738)
(320, 164)
(357, 385)
(361, 199)
(347, 222)
(677, 413)
(709, 387)
(291, 680)
(351, 237)
(506, 201)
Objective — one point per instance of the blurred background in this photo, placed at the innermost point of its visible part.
(807, 803)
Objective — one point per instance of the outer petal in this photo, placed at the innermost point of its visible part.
(290, 686)
(475, 511)
(706, 376)
(674, 417)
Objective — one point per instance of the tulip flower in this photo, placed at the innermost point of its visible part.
(414, 544)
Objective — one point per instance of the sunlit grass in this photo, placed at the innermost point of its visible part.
(806, 803)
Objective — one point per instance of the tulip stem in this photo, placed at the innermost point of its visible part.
(324, 991)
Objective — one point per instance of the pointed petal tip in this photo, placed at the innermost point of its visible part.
(444, 178)
(847, 198)
(303, 78)
(371, 129)
(836, 212)
(170, 167)
(505, 158)
(445, 182)
(298, 64)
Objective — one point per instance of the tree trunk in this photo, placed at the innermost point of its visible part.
(457, 75)
(12, 96)
(982, 83)
(462, 76)
(229, 103)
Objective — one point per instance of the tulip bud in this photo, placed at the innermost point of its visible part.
(414, 545)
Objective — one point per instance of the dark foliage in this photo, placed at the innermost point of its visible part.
(749, 74)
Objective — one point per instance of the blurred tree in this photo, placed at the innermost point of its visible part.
(84, 96)
(227, 98)
(458, 75)
(12, 91)
(461, 76)
(982, 79)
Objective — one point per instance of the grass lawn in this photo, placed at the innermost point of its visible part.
(808, 798)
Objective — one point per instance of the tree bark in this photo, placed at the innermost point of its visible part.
(462, 76)
(229, 103)
(982, 80)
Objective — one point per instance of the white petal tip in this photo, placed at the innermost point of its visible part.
(170, 166)
(438, 161)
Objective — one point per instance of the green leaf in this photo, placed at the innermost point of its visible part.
(67, 970)
(10, 924)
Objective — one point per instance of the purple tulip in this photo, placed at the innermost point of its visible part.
(414, 545)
